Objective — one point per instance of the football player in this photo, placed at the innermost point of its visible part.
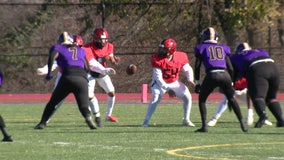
(219, 71)
(263, 79)
(102, 51)
(43, 70)
(240, 87)
(167, 64)
(7, 137)
(71, 60)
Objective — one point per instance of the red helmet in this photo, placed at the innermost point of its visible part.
(100, 37)
(78, 40)
(167, 47)
(100, 33)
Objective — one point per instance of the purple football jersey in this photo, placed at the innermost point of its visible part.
(241, 60)
(213, 54)
(69, 56)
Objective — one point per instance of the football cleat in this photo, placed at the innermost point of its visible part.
(7, 139)
(40, 126)
(212, 122)
(260, 122)
(268, 123)
(280, 124)
(202, 129)
(145, 123)
(111, 118)
(98, 121)
(90, 123)
(244, 126)
(188, 123)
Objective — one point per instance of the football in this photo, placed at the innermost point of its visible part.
(131, 69)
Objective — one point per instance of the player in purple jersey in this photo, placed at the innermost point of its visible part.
(219, 71)
(7, 137)
(263, 79)
(72, 62)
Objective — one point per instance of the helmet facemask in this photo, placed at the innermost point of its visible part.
(163, 52)
(167, 47)
(100, 42)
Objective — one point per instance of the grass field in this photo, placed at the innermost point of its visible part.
(68, 137)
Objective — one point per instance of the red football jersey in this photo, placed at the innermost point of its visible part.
(170, 69)
(240, 84)
(98, 53)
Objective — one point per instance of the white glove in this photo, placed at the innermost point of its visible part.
(41, 71)
(109, 71)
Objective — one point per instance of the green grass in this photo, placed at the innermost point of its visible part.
(68, 137)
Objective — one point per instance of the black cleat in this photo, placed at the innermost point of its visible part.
(98, 121)
(244, 126)
(40, 126)
(202, 129)
(7, 139)
(280, 124)
(260, 122)
(90, 123)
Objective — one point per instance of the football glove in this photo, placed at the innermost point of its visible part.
(110, 71)
(48, 77)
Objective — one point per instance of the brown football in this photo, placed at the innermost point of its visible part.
(131, 69)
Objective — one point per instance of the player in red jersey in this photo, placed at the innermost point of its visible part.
(102, 51)
(167, 65)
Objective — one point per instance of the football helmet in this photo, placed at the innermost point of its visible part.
(100, 37)
(209, 34)
(78, 40)
(167, 47)
(66, 38)
(242, 47)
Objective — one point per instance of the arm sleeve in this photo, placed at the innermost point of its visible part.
(158, 78)
(96, 66)
(230, 68)
(51, 58)
(188, 72)
(1, 76)
(197, 68)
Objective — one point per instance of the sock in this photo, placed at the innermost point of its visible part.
(203, 113)
(95, 108)
(276, 110)
(2, 123)
(155, 100)
(3, 127)
(110, 104)
(221, 108)
(186, 106)
(259, 106)
(233, 103)
(250, 112)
